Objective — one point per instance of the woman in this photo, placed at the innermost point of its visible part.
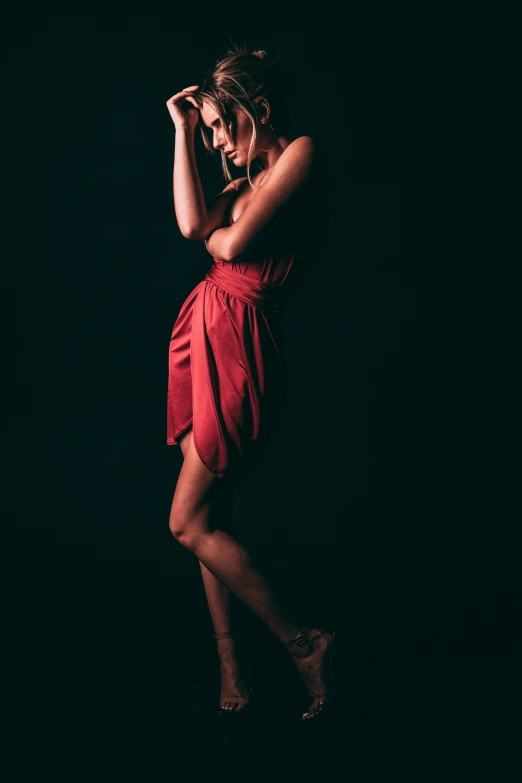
(227, 370)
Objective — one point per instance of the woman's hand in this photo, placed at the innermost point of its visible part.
(217, 243)
(207, 243)
(180, 110)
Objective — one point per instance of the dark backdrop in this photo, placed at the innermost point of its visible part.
(370, 505)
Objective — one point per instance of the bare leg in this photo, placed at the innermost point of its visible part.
(191, 523)
(235, 694)
(219, 600)
(218, 594)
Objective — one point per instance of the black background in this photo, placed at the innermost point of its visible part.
(374, 505)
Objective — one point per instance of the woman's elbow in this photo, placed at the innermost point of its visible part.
(192, 233)
(231, 254)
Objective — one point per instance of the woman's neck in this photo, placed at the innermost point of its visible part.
(269, 158)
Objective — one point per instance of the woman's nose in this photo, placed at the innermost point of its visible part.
(218, 139)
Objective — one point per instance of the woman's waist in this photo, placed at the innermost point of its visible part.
(251, 290)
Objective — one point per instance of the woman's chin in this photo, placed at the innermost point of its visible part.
(237, 160)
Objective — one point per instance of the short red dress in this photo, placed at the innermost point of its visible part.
(227, 370)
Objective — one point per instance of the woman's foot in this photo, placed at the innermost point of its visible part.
(311, 652)
(235, 695)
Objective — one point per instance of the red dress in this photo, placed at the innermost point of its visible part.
(227, 370)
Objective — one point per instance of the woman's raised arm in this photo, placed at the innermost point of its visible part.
(189, 201)
(197, 218)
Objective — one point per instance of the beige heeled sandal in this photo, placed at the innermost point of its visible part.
(242, 702)
(306, 636)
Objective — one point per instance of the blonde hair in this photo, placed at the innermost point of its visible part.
(235, 81)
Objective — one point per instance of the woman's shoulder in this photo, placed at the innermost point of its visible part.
(305, 142)
(300, 147)
(303, 152)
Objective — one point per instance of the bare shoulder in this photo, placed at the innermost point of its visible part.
(300, 153)
(303, 143)
(301, 147)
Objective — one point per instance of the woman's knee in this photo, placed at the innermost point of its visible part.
(187, 535)
(188, 528)
(199, 500)
(187, 539)
(176, 528)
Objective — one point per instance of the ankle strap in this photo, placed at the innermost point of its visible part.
(300, 639)
(224, 635)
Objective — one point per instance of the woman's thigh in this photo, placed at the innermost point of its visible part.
(200, 498)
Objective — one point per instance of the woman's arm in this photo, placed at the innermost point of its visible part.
(268, 206)
(189, 201)
(196, 218)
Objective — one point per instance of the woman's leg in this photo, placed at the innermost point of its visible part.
(192, 516)
(193, 510)
(218, 595)
(219, 599)
(234, 691)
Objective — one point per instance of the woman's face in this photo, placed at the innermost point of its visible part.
(238, 146)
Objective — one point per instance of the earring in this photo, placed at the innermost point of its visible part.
(273, 131)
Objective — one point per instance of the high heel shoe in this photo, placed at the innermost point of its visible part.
(241, 702)
(305, 639)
